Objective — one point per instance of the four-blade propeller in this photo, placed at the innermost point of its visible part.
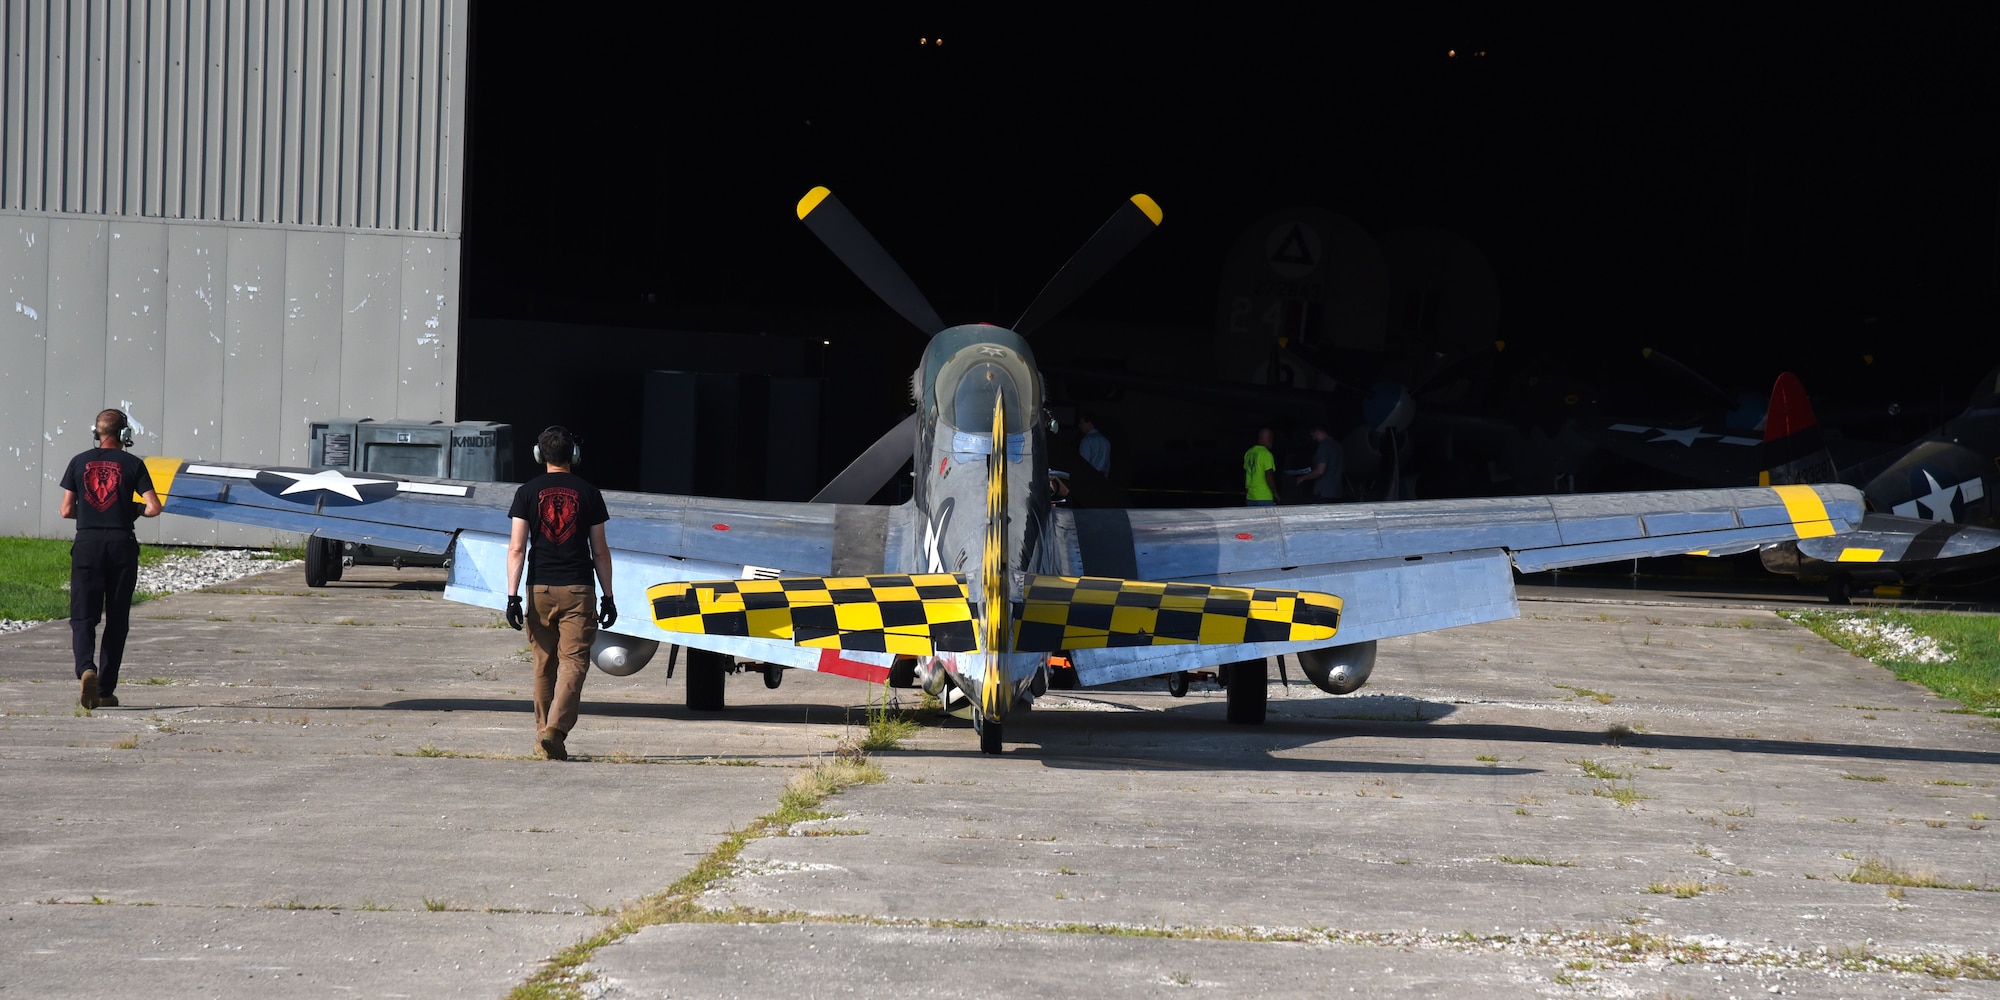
(857, 248)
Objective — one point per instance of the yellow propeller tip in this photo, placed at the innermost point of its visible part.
(1146, 205)
(811, 201)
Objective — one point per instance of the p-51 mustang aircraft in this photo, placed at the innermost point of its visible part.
(970, 585)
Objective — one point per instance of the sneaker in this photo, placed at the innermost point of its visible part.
(107, 701)
(552, 745)
(89, 685)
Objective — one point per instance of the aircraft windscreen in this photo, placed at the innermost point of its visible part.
(972, 404)
(973, 379)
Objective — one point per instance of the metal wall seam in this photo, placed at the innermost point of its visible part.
(344, 113)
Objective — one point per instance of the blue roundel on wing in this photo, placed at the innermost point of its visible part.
(329, 487)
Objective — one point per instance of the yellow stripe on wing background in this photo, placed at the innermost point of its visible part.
(1808, 513)
(1150, 207)
(162, 470)
(1860, 555)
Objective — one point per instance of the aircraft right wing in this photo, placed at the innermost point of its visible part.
(1414, 566)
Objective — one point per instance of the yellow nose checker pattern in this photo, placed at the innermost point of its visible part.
(1098, 613)
(897, 613)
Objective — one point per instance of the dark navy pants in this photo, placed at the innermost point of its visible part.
(103, 571)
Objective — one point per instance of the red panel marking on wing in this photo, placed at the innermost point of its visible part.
(831, 662)
(721, 527)
(1246, 536)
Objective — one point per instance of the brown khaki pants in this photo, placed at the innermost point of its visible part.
(562, 623)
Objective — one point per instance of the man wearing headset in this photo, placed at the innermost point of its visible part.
(565, 517)
(104, 561)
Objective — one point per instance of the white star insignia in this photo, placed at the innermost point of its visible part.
(1686, 438)
(329, 480)
(993, 352)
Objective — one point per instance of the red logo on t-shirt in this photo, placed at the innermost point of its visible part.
(100, 484)
(556, 507)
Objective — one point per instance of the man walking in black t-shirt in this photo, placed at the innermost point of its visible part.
(565, 518)
(104, 561)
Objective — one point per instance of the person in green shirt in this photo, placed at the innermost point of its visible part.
(1260, 473)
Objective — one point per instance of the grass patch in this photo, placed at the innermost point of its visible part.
(1863, 777)
(34, 570)
(1880, 871)
(889, 726)
(559, 979)
(1599, 771)
(1520, 859)
(1625, 795)
(1972, 677)
(1582, 692)
(1685, 889)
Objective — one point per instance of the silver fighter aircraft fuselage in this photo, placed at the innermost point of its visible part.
(982, 503)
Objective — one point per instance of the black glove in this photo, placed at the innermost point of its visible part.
(607, 612)
(516, 617)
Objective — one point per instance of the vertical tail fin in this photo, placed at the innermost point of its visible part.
(1795, 451)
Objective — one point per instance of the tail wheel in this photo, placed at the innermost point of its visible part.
(705, 673)
(774, 675)
(1249, 690)
(1177, 684)
(989, 736)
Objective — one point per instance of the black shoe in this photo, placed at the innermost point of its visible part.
(107, 701)
(88, 682)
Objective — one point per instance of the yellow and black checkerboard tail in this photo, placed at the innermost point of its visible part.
(903, 613)
(1063, 612)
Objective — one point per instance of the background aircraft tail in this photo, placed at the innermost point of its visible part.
(1795, 451)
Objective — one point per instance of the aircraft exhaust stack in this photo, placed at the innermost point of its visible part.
(1339, 669)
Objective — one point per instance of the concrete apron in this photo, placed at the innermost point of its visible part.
(276, 817)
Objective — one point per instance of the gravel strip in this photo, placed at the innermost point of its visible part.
(190, 570)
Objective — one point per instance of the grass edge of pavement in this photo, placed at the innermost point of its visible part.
(560, 978)
(1971, 677)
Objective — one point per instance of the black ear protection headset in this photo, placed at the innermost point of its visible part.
(575, 448)
(123, 432)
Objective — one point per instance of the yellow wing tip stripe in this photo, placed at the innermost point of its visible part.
(1150, 207)
(162, 470)
(811, 201)
(1860, 555)
(1807, 512)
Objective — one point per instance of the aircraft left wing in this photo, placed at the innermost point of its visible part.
(1415, 566)
(654, 538)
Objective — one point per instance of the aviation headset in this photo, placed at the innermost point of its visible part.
(123, 432)
(575, 447)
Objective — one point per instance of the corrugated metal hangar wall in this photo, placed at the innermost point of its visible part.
(229, 217)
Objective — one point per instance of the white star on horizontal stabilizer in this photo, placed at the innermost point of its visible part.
(329, 480)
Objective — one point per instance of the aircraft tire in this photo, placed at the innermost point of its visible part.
(774, 675)
(316, 560)
(705, 672)
(1177, 684)
(989, 737)
(1063, 678)
(1249, 690)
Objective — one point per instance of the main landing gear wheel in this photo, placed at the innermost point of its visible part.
(322, 561)
(774, 675)
(989, 736)
(706, 670)
(1177, 684)
(1837, 590)
(1249, 685)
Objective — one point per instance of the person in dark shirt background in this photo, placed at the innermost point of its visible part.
(98, 488)
(564, 516)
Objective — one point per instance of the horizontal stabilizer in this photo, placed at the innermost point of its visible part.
(893, 613)
(1062, 612)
